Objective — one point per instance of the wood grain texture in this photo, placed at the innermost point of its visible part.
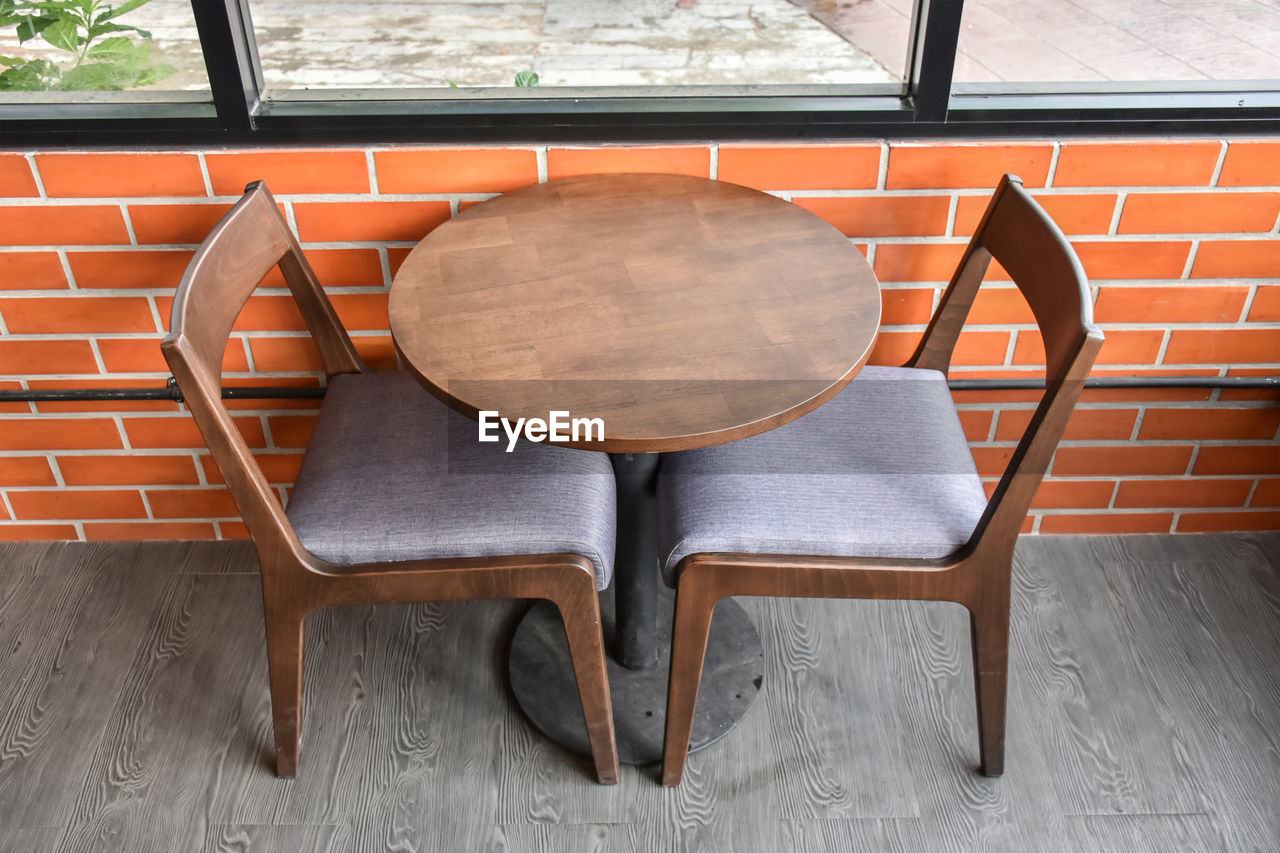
(415, 746)
(977, 574)
(251, 239)
(683, 312)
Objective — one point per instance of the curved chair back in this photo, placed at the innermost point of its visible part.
(1017, 232)
(250, 240)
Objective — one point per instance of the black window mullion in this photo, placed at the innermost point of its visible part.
(933, 57)
(231, 58)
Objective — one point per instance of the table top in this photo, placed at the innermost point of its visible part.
(682, 312)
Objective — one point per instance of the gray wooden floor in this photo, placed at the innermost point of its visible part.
(1144, 714)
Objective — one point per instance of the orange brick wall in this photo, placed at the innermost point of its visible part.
(1179, 239)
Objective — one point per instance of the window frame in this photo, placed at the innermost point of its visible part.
(928, 105)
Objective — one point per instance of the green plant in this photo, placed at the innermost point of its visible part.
(78, 27)
(527, 78)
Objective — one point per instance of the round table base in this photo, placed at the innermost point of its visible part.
(544, 687)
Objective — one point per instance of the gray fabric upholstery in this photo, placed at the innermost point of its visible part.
(880, 470)
(391, 473)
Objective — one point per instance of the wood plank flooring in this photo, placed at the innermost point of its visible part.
(1144, 714)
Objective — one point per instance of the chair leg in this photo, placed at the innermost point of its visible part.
(284, 666)
(990, 637)
(694, 608)
(580, 610)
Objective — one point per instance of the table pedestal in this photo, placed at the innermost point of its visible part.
(636, 613)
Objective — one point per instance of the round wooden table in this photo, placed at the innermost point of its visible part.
(680, 312)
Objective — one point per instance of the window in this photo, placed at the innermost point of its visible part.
(283, 71)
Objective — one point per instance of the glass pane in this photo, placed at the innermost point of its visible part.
(1098, 40)
(95, 46)
(324, 44)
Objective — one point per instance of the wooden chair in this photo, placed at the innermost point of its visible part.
(396, 501)
(875, 494)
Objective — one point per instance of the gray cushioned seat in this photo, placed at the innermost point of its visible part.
(881, 470)
(391, 473)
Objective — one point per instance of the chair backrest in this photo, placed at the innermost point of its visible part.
(1017, 232)
(244, 246)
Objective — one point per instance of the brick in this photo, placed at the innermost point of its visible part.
(1267, 493)
(1237, 259)
(1238, 459)
(1266, 306)
(1133, 258)
(181, 432)
(1205, 522)
(1160, 164)
(131, 470)
(975, 348)
(1187, 492)
(1074, 214)
(291, 354)
(77, 315)
(1122, 346)
(96, 175)
(396, 256)
(1083, 425)
(33, 532)
(1251, 164)
(175, 223)
(675, 160)
(129, 269)
(976, 423)
(298, 354)
(1170, 304)
(1125, 460)
(339, 268)
(289, 171)
(1220, 424)
(369, 220)
(25, 471)
(917, 262)
(1073, 494)
(291, 430)
(143, 356)
(264, 312)
(893, 348)
(1179, 213)
(77, 504)
(889, 216)
(1223, 346)
(934, 166)
(906, 307)
(378, 351)
(1108, 522)
(20, 358)
(362, 311)
(31, 271)
(60, 434)
(991, 461)
(278, 468)
(147, 530)
(800, 167)
(1001, 305)
(213, 502)
(988, 397)
(233, 530)
(455, 170)
(71, 225)
(15, 177)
